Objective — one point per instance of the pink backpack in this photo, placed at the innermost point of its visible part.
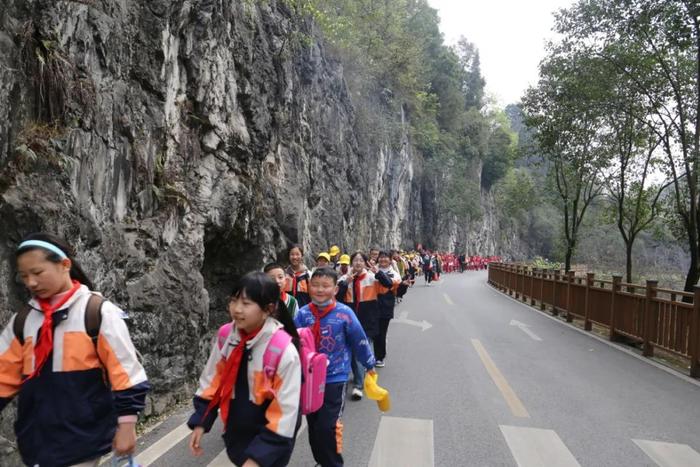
(313, 372)
(313, 364)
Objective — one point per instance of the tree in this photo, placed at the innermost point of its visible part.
(565, 128)
(655, 47)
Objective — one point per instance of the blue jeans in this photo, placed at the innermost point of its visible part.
(358, 369)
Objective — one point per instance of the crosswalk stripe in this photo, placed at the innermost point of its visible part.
(534, 447)
(669, 454)
(221, 460)
(163, 445)
(407, 442)
(516, 406)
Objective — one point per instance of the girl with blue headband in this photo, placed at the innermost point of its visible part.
(69, 358)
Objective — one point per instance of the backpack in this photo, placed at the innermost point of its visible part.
(313, 364)
(313, 372)
(93, 319)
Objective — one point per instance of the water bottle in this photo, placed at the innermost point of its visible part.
(119, 461)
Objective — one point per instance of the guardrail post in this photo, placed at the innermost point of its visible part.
(533, 274)
(543, 272)
(570, 278)
(517, 282)
(650, 319)
(587, 325)
(557, 273)
(616, 280)
(694, 338)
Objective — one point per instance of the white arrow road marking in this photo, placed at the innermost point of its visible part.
(405, 442)
(669, 454)
(403, 318)
(526, 329)
(534, 447)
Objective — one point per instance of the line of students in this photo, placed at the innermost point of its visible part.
(81, 386)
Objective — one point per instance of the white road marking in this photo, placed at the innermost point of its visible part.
(405, 442)
(448, 299)
(163, 445)
(221, 460)
(669, 454)
(534, 447)
(526, 329)
(403, 319)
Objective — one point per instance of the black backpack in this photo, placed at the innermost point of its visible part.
(93, 319)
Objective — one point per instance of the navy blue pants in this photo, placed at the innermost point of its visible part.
(326, 428)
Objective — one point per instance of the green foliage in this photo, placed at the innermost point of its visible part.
(516, 194)
(544, 263)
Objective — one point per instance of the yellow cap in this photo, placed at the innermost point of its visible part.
(324, 255)
(344, 259)
(334, 250)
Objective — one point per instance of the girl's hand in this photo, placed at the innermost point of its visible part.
(196, 441)
(124, 441)
(250, 463)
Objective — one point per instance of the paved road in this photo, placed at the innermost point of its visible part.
(492, 382)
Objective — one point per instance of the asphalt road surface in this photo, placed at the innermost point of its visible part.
(477, 379)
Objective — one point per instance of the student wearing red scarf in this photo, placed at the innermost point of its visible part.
(298, 276)
(260, 417)
(46, 352)
(339, 335)
(359, 289)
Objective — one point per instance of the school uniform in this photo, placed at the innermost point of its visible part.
(360, 294)
(386, 300)
(291, 304)
(298, 285)
(68, 413)
(261, 424)
(341, 336)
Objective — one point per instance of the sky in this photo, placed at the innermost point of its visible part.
(510, 36)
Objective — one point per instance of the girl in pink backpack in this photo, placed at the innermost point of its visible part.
(259, 408)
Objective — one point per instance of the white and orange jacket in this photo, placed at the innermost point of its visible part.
(68, 413)
(261, 423)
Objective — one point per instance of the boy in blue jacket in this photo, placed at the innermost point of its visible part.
(339, 335)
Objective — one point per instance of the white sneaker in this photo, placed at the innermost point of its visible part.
(379, 364)
(356, 394)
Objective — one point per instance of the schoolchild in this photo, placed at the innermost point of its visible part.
(323, 259)
(386, 300)
(358, 289)
(76, 372)
(260, 414)
(276, 272)
(298, 276)
(334, 254)
(343, 265)
(339, 335)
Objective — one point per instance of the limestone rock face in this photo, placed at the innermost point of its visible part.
(178, 144)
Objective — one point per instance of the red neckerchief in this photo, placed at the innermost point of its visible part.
(44, 345)
(295, 279)
(283, 296)
(222, 397)
(318, 314)
(357, 290)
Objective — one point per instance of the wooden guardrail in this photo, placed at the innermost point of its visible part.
(654, 317)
